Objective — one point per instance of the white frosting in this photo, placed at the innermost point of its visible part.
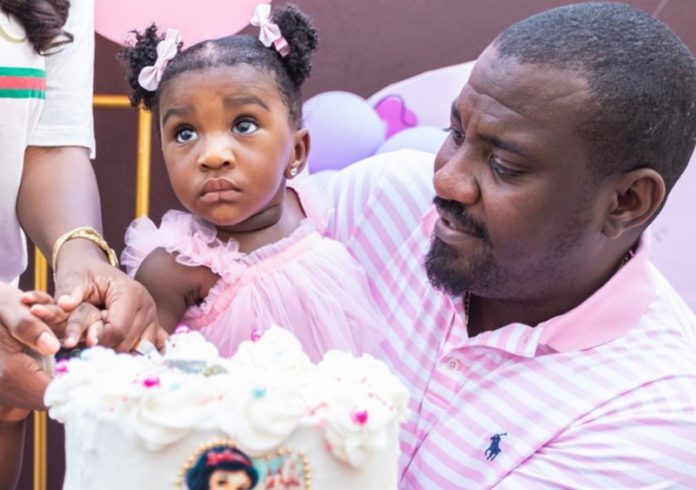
(259, 397)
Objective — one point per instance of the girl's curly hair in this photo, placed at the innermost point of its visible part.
(289, 71)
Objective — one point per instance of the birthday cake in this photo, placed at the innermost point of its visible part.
(266, 418)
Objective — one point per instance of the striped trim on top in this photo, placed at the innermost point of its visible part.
(22, 83)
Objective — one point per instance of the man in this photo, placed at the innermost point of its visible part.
(543, 350)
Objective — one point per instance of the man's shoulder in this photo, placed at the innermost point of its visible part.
(398, 170)
(671, 311)
(391, 190)
(402, 178)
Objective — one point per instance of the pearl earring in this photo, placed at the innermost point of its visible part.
(293, 171)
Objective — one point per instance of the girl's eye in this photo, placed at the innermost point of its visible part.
(456, 134)
(502, 170)
(245, 126)
(184, 135)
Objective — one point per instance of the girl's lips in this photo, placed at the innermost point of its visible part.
(216, 196)
(218, 186)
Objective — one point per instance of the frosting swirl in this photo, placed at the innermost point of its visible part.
(259, 397)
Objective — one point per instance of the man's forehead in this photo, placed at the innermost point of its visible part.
(525, 88)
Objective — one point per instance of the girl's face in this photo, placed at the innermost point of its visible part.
(229, 480)
(229, 146)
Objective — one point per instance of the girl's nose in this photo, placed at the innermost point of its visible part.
(216, 152)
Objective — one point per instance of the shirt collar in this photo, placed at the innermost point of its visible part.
(607, 314)
(610, 312)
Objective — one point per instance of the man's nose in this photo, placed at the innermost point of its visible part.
(216, 152)
(455, 176)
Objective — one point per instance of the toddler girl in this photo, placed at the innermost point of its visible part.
(249, 252)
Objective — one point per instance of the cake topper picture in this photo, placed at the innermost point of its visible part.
(222, 466)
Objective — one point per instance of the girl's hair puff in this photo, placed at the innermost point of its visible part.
(289, 72)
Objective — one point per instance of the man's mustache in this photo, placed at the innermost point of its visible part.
(460, 216)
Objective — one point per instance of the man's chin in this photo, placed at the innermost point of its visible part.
(441, 267)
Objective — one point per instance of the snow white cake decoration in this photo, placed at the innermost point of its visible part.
(222, 465)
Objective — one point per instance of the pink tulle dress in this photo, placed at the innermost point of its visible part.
(306, 283)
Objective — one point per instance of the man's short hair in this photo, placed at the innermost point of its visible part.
(641, 77)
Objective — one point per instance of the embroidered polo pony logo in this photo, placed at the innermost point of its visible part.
(494, 449)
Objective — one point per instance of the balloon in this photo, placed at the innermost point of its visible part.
(209, 19)
(343, 128)
(426, 138)
(393, 110)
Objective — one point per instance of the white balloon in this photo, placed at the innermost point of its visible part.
(343, 128)
(425, 138)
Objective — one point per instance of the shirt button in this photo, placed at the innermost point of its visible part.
(453, 364)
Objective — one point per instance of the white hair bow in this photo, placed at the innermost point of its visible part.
(150, 76)
(269, 32)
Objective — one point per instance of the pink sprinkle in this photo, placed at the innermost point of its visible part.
(360, 417)
(151, 381)
(62, 366)
(256, 334)
(328, 446)
(182, 329)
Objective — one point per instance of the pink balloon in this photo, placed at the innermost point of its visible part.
(208, 19)
(393, 110)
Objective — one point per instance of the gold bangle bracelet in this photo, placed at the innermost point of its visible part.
(87, 233)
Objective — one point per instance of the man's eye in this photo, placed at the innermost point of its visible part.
(245, 126)
(184, 135)
(502, 170)
(457, 134)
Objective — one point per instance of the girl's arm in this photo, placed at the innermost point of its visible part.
(173, 286)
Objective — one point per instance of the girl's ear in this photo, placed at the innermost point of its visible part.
(298, 157)
(636, 198)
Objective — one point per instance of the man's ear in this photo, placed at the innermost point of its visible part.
(298, 157)
(636, 197)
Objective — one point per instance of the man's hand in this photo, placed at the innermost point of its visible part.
(129, 313)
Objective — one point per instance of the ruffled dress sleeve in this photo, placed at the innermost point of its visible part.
(183, 235)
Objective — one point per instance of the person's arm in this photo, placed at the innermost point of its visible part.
(58, 193)
(11, 449)
(356, 192)
(22, 384)
(377, 204)
(173, 286)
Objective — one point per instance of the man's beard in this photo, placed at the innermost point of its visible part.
(482, 274)
(447, 270)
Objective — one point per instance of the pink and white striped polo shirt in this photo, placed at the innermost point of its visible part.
(603, 396)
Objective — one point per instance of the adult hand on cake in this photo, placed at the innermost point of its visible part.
(84, 316)
(128, 311)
